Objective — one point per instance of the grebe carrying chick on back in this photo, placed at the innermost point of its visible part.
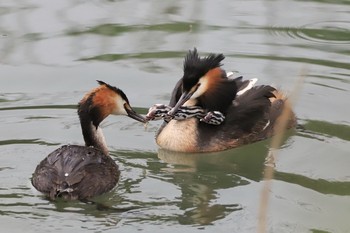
(81, 172)
(211, 111)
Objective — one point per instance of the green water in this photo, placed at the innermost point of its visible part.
(51, 53)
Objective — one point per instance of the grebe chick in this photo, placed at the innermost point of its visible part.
(160, 111)
(80, 172)
(249, 112)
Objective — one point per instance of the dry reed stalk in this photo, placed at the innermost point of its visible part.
(272, 155)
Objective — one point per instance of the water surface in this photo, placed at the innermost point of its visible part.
(51, 54)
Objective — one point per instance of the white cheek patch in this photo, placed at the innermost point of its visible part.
(203, 87)
(119, 109)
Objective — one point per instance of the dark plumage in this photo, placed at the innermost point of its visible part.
(250, 112)
(76, 172)
(81, 172)
(195, 67)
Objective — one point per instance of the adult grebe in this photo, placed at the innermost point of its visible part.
(81, 172)
(210, 111)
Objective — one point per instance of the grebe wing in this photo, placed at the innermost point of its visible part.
(98, 179)
(244, 85)
(81, 171)
(251, 107)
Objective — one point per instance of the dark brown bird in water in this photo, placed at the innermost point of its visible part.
(243, 113)
(80, 172)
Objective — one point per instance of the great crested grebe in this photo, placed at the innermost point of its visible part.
(211, 111)
(81, 172)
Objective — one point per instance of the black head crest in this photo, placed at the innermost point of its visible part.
(196, 67)
(115, 89)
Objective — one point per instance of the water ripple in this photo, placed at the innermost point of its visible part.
(67, 106)
(335, 32)
(117, 29)
(314, 61)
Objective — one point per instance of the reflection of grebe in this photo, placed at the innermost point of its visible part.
(210, 111)
(81, 172)
(247, 161)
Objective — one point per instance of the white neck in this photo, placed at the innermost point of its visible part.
(94, 137)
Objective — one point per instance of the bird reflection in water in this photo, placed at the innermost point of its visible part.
(200, 176)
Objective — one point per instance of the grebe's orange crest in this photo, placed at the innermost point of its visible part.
(103, 101)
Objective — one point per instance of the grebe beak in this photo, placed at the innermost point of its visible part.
(134, 115)
(184, 97)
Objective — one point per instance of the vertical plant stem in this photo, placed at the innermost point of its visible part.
(276, 142)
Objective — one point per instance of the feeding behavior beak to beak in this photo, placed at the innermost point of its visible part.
(132, 114)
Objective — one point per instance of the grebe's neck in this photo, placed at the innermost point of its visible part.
(93, 135)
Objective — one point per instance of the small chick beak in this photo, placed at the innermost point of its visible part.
(132, 114)
(184, 97)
